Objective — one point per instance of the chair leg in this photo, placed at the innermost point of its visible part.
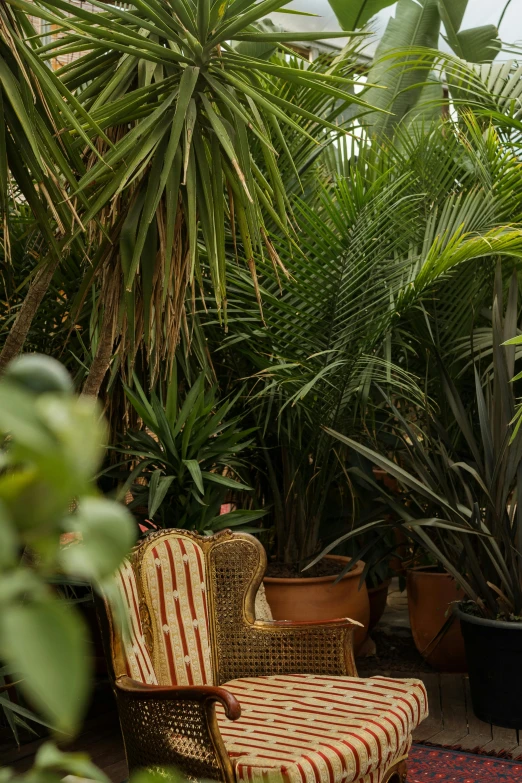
(397, 774)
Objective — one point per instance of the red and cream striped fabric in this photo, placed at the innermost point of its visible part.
(174, 573)
(137, 658)
(311, 729)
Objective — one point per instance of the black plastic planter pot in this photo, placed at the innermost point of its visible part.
(494, 653)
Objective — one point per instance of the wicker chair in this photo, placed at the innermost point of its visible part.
(202, 686)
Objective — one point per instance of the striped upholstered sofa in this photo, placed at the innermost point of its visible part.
(203, 686)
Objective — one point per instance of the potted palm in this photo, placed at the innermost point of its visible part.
(461, 488)
(304, 482)
(322, 341)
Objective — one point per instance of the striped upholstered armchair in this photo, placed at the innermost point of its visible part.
(203, 686)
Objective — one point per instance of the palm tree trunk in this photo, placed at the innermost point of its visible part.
(102, 359)
(37, 290)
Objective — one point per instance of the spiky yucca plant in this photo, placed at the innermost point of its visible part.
(160, 113)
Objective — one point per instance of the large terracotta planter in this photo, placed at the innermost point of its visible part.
(318, 598)
(430, 594)
(377, 596)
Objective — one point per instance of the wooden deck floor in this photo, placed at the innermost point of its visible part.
(451, 723)
(100, 738)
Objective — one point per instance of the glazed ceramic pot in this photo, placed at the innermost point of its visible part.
(319, 598)
(431, 598)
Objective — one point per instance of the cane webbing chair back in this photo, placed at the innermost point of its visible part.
(245, 648)
(197, 609)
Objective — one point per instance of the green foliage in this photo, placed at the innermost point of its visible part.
(188, 456)
(407, 53)
(51, 765)
(475, 45)
(29, 150)
(52, 446)
(37, 374)
(160, 116)
(415, 24)
(462, 483)
(17, 716)
(390, 250)
(51, 450)
(357, 13)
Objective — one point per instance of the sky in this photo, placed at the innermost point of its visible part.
(479, 12)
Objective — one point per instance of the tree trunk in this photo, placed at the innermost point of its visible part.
(102, 360)
(18, 334)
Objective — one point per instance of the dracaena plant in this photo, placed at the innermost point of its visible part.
(161, 113)
(461, 481)
(186, 460)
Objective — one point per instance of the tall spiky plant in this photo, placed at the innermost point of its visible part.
(163, 113)
(461, 484)
(36, 177)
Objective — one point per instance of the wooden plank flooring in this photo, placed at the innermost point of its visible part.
(451, 724)
(479, 734)
(100, 738)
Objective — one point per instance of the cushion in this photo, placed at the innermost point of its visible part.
(313, 729)
(173, 573)
(262, 607)
(137, 659)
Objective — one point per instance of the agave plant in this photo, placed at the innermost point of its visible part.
(461, 483)
(161, 113)
(185, 462)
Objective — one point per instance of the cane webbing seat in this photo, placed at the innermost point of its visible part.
(204, 686)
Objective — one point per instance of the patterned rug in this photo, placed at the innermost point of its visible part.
(438, 765)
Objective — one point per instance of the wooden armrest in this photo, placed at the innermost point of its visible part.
(197, 693)
(341, 622)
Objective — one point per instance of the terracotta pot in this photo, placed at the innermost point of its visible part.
(318, 598)
(390, 482)
(429, 597)
(377, 596)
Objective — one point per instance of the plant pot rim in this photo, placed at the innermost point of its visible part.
(485, 621)
(311, 580)
(428, 570)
